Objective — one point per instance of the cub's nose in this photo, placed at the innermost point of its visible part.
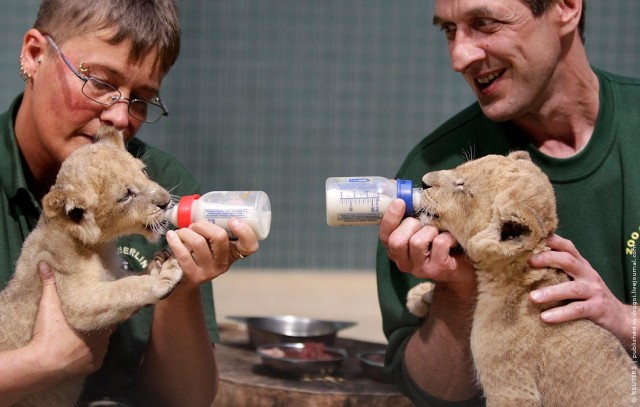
(162, 199)
(429, 180)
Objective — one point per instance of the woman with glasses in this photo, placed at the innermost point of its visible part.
(87, 64)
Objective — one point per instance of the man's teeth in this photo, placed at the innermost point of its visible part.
(488, 79)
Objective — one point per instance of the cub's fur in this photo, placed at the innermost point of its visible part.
(101, 193)
(500, 209)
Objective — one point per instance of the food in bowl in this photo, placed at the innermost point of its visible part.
(304, 358)
(309, 351)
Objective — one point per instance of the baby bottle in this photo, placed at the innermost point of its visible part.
(253, 207)
(355, 201)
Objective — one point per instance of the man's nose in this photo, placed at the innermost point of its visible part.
(464, 51)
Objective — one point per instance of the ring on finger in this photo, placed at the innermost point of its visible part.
(236, 254)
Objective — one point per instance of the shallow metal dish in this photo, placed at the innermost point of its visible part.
(291, 329)
(372, 365)
(302, 365)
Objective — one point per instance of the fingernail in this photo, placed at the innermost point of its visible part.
(397, 206)
(536, 295)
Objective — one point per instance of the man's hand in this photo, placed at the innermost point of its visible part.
(589, 295)
(423, 251)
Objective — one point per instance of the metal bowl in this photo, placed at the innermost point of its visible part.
(291, 329)
(372, 365)
(300, 359)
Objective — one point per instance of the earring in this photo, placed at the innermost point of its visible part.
(23, 74)
(83, 68)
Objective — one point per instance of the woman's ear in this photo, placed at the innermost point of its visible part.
(34, 48)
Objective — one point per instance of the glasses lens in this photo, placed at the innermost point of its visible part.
(100, 92)
(145, 111)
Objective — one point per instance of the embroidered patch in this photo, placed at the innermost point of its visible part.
(134, 254)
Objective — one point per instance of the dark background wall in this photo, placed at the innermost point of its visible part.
(278, 95)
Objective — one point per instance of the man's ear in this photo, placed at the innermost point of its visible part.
(74, 212)
(569, 15)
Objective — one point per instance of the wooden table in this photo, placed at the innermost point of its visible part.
(245, 381)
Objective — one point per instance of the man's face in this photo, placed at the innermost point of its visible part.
(62, 118)
(505, 53)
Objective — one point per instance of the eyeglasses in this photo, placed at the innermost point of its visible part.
(108, 95)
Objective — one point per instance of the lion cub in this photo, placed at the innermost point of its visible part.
(101, 192)
(500, 209)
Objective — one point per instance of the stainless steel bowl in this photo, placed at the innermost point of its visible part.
(293, 358)
(372, 365)
(291, 329)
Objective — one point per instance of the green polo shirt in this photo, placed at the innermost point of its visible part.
(19, 212)
(597, 190)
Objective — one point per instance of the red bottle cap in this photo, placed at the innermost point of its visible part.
(184, 210)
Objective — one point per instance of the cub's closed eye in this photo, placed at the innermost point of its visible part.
(127, 196)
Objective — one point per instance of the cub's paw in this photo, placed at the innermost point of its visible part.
(169, 274)
(159, 258)
(419, 299)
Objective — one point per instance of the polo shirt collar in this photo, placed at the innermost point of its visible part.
(12, 177)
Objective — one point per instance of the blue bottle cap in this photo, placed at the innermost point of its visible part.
(405, 192)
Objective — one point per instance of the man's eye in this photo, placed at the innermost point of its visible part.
(486, 24)
(449, 30)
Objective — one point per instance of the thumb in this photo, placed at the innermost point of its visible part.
(50, 306)
(46, 275)
(49, 291)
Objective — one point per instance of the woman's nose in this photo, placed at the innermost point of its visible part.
(117, 115)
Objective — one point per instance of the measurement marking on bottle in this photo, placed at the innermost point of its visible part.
(354, 198)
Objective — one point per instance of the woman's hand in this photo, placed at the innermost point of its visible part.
(55, 353)
(60, 347)
(204, 250)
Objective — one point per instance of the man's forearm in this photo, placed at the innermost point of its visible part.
(438, 355)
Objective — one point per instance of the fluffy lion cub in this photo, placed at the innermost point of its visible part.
(101, 192)
(500, 209)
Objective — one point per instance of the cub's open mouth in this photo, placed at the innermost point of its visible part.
(429, 215)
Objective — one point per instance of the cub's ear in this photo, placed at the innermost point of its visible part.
(74, 211)
(520, 155)
(108, 134)
(514, 228)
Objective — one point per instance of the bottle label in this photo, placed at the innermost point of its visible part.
(211, 214)
(360, 218)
